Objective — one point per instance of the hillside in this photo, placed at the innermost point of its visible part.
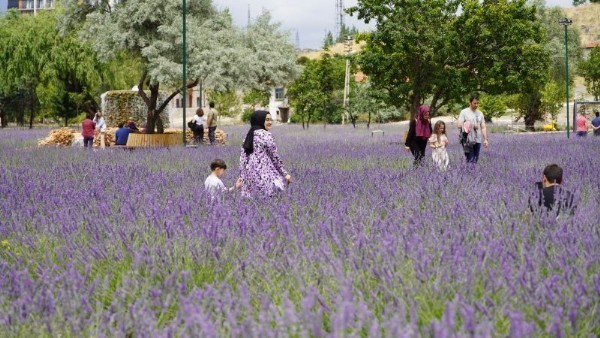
(586, 18)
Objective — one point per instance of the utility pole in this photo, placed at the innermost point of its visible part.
(348, 48)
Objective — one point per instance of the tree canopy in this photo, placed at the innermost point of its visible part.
(35, 57)
(590, 70)
(218, 54)
(439, 50)
(316, 92)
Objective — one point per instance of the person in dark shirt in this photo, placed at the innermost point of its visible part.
(122, 134)
(552, 195)
(596, 123)
(419, 131)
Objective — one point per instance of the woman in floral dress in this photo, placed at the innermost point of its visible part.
(261, 168)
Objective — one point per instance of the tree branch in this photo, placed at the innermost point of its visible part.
(141, 89)
(164, 104)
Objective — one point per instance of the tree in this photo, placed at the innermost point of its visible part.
(590, 70)
(255, 97)
(539, 97)
(316, 93)
(430, 50)
(328, 42)
(493, 106)
(225, 101)
(36, 57)
(271, 56)
(346, 32)
(217, 53)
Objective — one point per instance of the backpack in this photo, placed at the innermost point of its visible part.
(191, 124)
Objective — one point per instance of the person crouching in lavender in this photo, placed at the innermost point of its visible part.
(261, 168)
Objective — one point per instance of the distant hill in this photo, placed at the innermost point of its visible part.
(337, 48)
(587, 19)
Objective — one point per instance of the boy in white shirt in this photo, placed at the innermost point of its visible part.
(213, 183)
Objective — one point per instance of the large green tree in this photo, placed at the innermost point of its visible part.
(219, 55)
(590, 70)
(47, 67)
(439, 50)
(316, 93)
(541, 97)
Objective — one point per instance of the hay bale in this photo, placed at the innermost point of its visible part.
(62, 137)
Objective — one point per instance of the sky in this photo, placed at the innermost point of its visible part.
(312, 19)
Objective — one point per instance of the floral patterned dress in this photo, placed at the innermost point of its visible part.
(438, 151)
(262, 171)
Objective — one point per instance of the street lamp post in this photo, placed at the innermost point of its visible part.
(566, 22)
(184, 61)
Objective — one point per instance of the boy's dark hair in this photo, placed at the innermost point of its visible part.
(553, 173)
(473, 96)
(120, 124)
(597, 113)
(211, 104)
(218, 163)
(201, 111)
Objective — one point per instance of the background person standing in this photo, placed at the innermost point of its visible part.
(87, 131)
(100, 127)
(419, 131)
(198, 126)
(211, 122)
(472, 122)
(582, 128)
(596, 124)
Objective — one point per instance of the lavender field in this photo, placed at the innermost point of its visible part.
(128, 244)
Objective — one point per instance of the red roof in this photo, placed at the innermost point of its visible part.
(591, 44)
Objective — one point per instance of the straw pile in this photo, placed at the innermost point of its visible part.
(109, 137)
(62, 137)
(220, 137)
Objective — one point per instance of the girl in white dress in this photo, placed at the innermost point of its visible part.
(438, 142)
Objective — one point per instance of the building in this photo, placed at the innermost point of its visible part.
(30, 6)
(588, 46)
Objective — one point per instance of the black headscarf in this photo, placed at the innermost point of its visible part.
(257, 122)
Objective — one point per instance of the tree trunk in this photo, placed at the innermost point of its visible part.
(415, 103)
(21, 116)
(369, 120)
(4, 122)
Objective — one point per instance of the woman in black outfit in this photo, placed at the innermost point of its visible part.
(419, 131)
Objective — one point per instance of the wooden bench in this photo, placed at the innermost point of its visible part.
(373, 132)
(136, 140)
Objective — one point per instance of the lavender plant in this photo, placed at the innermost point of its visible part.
(118, 243)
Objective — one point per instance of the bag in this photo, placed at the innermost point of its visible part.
(191, 125)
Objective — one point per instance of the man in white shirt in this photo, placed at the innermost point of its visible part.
(471, 125)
